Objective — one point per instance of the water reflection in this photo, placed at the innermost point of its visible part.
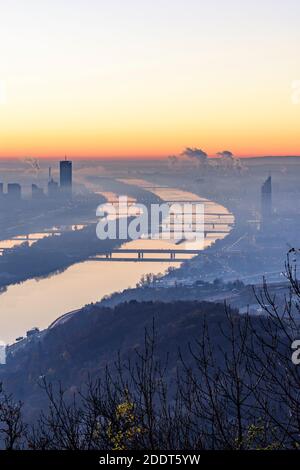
(40, 302)
(31, 238)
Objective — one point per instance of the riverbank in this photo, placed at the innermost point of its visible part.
(51, 255)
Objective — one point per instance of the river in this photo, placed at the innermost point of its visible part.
(38, 302)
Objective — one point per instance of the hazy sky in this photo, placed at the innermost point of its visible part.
(149, 77)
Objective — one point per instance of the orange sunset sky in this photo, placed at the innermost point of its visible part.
(145, 79)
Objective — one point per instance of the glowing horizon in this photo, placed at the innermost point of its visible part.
(141, 79)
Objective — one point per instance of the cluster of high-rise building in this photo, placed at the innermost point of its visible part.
(54, 189)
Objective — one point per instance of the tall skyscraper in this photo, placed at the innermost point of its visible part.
(266, 203)
(65, 172)
(52, 186)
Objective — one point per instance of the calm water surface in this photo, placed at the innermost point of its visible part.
(40, 302)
